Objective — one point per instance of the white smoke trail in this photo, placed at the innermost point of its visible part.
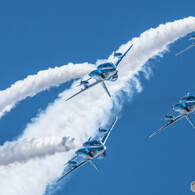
(81, 116)
(43, 80)
(27, 149)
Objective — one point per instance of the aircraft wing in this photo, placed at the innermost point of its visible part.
(75, 168)
(168, 124)
(189, 47)
(118, 62)
(104, 139)
(93, 84)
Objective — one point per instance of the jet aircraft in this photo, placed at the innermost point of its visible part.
(104, 72)
(185, 108)
(189, 47)
(93, 148)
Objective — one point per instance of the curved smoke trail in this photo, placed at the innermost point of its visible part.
(81, 116)
(43, 80)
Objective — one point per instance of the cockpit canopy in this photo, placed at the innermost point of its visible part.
(93, 143)
(106, 65)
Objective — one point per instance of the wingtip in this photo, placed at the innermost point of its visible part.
(150, 136)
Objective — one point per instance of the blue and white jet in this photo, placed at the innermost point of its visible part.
(189, 47)
(185, 108)
(104, 72)
(93, 148)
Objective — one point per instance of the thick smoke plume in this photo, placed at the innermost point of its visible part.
(27, 149)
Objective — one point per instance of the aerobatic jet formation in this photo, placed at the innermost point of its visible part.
(104, 72)
(93, 148)
(189, 47)
(185, 108)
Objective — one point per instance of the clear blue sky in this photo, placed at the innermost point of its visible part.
(36, 35)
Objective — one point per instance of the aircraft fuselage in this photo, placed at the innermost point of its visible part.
(106, 71)
(91, 152)
(184, 108)
(110, 74)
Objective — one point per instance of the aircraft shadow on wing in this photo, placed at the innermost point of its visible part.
(93, 148)
(104, 72)
(184, 108)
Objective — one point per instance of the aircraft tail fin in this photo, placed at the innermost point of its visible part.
(104, 86)
(94, 165)
(190, 120)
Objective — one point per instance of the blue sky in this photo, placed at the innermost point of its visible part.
(37, 35)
